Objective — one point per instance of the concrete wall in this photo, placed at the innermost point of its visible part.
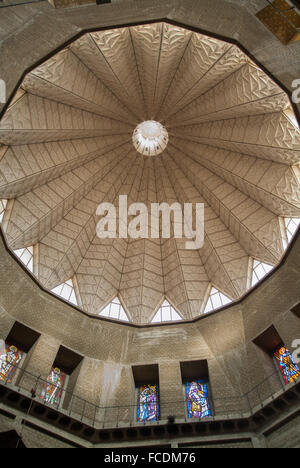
(287, 436)
(30, 437)
(29, 33)
(224, 339)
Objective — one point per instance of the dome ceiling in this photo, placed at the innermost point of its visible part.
(66, 146)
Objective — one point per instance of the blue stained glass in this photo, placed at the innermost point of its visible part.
(289, 370)
(148, 403)
(198, 405)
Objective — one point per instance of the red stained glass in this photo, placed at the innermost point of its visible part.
(289, 370)
(10, 357)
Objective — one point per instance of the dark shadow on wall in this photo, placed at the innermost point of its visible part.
(11, 440)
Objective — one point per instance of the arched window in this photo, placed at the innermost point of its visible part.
(115, 311)
(260, 270)
(66, 291)
(166, 313)
(216, 300)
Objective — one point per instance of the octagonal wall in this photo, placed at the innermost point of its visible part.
(224, 338)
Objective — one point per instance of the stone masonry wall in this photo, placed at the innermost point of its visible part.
(105, 378)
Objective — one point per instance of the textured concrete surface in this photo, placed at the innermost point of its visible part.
(27, 35)
(287, 436)
(224, 339)
(33, 31)
(67, 147)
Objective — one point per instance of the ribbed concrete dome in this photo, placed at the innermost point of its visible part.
(66, 146)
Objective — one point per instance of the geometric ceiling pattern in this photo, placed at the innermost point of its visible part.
(66, 146)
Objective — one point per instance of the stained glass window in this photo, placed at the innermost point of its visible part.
(26, 257)
(260, 270)
(66, 291)
(289, 370)
(166, 313)
(291, 225)
(53, 389)
(115, 311)
(3, 204)
(197, 398)
(148, 403)
(216, 300)
(10, 358)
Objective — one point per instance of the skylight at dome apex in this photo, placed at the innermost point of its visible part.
(150, 138)
(223, 133)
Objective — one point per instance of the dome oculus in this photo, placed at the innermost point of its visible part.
(150, 138)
